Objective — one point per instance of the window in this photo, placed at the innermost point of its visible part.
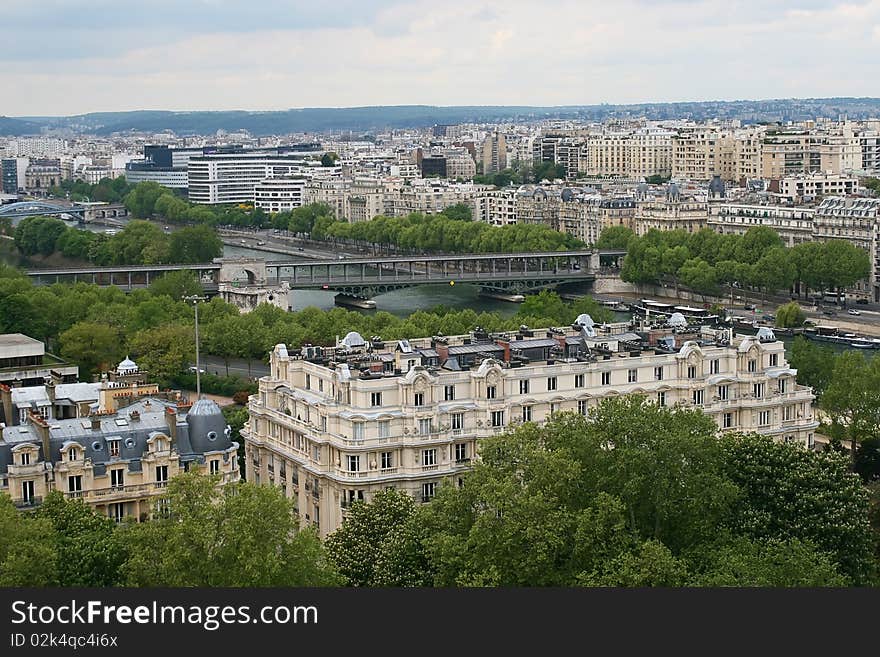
(419, 399)
(25, 458)
(375, 399)
(781, 385)
(461, 452)
(661, 399)
(523, 386)
(692, 372)
(582, 406)
(323, 423)
(758, 390)
(214, 465)
(723, 393)
(113, 447)
(117, 478)
(551, 383)
(606, 378)
(457, 421)
(497, 418)
(316, 452)
(357, 430)
(526, 413)
(578, 380)
(632, 376)
(774, 360)
(697, 396)
(727, 420)
(429, 457)
(384, 428)
(117, 511)
(162, 474)
(554, 407)
(74, 484)
(387, 460)
(354, 462)
(658, 373)
(715, 366)
(491, 392)
(753, 365)
(428, 491)
(27, 491)
(449, 393)
(308, 381)
(763, 418)
(425, 426)
(73, 454)
(787, 413)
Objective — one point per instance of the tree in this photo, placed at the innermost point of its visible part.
(88, 549)
(329, 159)
(94, 347)
(195, 244)
(164, 351)
(790, 493)
(790, 315)
(852, 398)
(843, 263)
(774, 270)
(814, 364)
(176, 285)
(458, 212)
(38, 235)
(364, 542)
(699, 276)
(141, 201)
(28, 552)
(240, 535)
(615, 237)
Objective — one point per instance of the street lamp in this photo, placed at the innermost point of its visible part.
(195, 301)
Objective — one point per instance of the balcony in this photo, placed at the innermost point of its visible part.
(430, 468)
(28, 503)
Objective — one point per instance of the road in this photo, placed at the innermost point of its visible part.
(237, 367)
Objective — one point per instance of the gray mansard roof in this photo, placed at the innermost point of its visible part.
(203, 429)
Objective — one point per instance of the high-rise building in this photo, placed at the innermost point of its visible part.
(494, 154)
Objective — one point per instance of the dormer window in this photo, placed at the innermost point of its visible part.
(113, 447)
(73, 454)
(25, 458)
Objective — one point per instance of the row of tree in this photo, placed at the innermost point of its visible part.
(705, 260)
(635, 495)
(96, 327)
(139, 243)
(108, 190)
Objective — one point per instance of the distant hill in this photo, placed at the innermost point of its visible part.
(17, 127)
(362, 119)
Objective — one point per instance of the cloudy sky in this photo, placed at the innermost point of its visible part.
(75, 56)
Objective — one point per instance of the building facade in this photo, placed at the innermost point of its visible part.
(335, 425)
(279, 194)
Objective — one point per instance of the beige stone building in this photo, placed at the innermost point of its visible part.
(641, 153)
(119, 456)
(793, 224)
(670, 212)
(856, 220)
(330, 426)
(494, 153)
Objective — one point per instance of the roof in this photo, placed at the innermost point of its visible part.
(479, 348)
(535, 343)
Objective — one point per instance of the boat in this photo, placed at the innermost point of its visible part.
(354, 302)
(503, 296)
(648, 308)
(832, 334)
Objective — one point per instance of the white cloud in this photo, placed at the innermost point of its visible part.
(457, 52)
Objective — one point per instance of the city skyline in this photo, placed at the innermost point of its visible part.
(176, 56)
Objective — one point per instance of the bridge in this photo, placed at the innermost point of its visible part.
(248, 281)
(82, 211)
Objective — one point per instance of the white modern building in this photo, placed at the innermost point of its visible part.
(232, 178)
(280, 194)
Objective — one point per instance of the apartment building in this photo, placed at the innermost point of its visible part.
(494, 153)
(496, 206)
(793, 224)
(642, 153)
(856, 220)
(280, 194)
(330, 426)
(120, 456)
(814, 185)
(25, 362)
(673, 211)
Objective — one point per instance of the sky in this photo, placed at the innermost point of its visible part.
(62, 57)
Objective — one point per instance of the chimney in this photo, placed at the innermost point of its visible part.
(42, 429)
(96, 423)
(6, 404)
(56, 377)
(171, 418)
(50, 390)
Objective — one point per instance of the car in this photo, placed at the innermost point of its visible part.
(829, 312)
(261, 243)
(749, 306)
(862, 301)
(244, 241)
(299, 248)
(853, 311)
(195, 369)
(770, 318)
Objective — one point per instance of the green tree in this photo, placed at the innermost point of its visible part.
(852, 398)
(195, 244)
(176, 285)
(94, 347)
(814, 364)
(164, 351)
(458, 212)
(699, 276)
(774, 270)
(141, 201)
(615, 237)
(87, 546)
(790, 315)
(790, 493)
(843, 263)
(28, 550)
(364, 541)
(38, 235)
(240, 535)
(329, 159)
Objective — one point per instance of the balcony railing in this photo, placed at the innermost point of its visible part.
(28, 502)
